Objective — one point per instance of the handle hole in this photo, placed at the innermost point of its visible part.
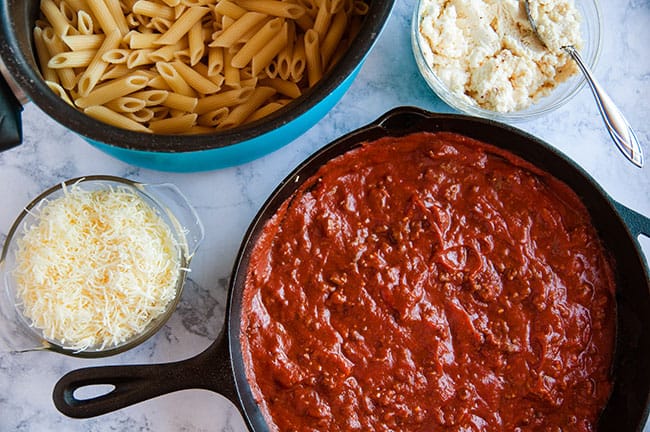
(92, 391)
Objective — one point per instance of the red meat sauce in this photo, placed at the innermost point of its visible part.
(429, 282)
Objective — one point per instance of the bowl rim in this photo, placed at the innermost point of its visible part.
(441, 90)
(154, 325)
(30, 81)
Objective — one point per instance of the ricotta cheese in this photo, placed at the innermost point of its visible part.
(95, 268)
(485, 51)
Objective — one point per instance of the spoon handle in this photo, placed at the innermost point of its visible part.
(617, 126)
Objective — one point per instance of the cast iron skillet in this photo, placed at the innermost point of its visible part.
(220, 368)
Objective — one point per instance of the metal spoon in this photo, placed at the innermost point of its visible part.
(617, 126)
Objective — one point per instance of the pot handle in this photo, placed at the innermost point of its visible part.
(208, 370)
(11, 129)
(402, 118)
(636, 222)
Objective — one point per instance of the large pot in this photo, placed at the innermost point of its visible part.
(170, 152)
(221, 369)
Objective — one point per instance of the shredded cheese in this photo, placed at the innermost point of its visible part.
(96, 268)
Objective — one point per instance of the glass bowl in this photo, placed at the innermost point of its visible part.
(18, 333)
(591, 29)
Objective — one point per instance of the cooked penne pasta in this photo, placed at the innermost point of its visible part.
(310, 6)
(265, 55)
(305, 22)
(204, 71)
(196, 46)
(103, 15)
(166, 53)
(271, 70)
(135, 21)
(115, 71)
(161, 25)
(82, 42)
(287, 88)
(182, 56)
(137, 40)
(158, 83)
(55, 45)
(299, 60)
(76, 4)
(283, 65)
(215, 61)
(179, 9)
(241, 112)
(93, 73)
(113, 90)
(153, 9)
(229, 9)
(264, 111)
(125, 104)
(116, 56)
(127, 5)
(248, 82)
(141, 116)
(180, 102)
(174, 79)
(323, 19)
(174, 124)
(85, 23)
(194, 79)
(43, 55)
(159, 112)
(256, 43)
(115, 10)
(189, 66)
(312, 55)
(231, 73)
(139, 58)
(274, 8)
(213, 118)
(190, 3)
(59, 91)
(110, 117)
(182, 25)
(230, 36)
(333, 36)
(56, 19)
(152, 97)
(68, 13)
(224, 99)
(337, 6)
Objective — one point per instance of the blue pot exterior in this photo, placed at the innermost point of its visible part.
(237, 154)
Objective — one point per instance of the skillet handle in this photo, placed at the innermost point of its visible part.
(402, 118)
(636, 222)
(11, 130)
(132, 384)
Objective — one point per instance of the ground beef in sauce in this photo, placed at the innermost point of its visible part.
(429, 282)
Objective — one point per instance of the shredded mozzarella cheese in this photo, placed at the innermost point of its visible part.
(96, 268)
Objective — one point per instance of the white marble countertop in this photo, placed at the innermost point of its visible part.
(228, 199)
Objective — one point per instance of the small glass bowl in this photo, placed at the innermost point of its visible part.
(16, 332)
(591, 28)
